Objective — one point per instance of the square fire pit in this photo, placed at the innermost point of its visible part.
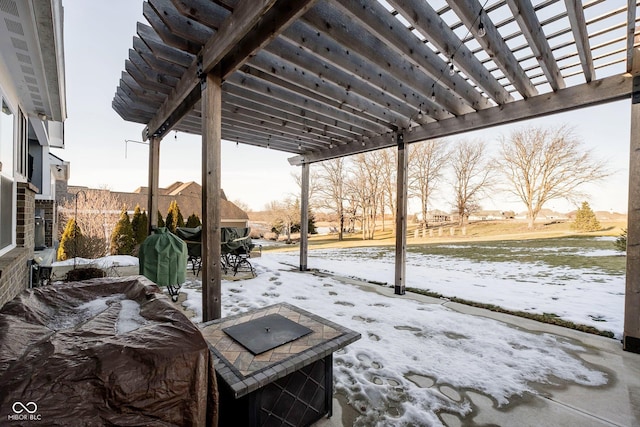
(275, 365)
(266, 333)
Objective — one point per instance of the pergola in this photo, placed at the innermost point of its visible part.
(329, 78)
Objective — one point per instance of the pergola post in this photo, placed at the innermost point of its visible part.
(304, 216)
(401, 216)
(211, 152)
(631, 338)
(154, 174)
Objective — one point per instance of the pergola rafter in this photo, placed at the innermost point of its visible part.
(327, 78)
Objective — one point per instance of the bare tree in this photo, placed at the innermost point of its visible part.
(97, 214)
(365, 183)
(389, 158)
(331, 189)
(427, 161)
(545, 164)
(284, 214)
(313, 186)
(472, 176)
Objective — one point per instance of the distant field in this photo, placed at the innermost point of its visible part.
(475, 232)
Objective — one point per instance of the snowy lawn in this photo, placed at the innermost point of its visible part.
(578, 280)
(414, 360)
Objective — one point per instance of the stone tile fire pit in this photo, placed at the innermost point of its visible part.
(275, 365)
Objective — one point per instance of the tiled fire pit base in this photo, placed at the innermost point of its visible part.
(290, 384)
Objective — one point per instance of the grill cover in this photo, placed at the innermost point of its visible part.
(103, 352)
(163, 258)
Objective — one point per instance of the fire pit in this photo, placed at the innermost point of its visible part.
(275, 365)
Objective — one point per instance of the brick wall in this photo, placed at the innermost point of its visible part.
(25, 215)
(14, 273)
(14, 265)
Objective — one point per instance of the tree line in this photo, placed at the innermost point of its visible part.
(534, 164)
(91, 230)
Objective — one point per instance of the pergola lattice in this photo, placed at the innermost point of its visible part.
(327, 78)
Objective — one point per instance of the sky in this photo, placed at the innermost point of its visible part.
(415, 359)
(98, 36)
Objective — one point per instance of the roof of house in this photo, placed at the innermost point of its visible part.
(187, 195)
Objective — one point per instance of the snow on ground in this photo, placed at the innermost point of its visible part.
(585, 296)
(414, 359)
(104, 262)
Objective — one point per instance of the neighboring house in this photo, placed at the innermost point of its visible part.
(488, 215)
(434, 215)
(33, 109)
(188, 196)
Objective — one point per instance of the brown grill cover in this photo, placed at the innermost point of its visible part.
(103, 352)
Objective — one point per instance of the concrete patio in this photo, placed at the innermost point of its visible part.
(565, 404)
(615, 404)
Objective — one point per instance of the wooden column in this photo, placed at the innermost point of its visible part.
(304, 216)
(154, 174)
(211, 152)
(631, 338)
(401, 216)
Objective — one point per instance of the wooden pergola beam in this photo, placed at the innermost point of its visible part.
(285, 114)
(532, 30)
(161, 50)
(354, 38)
(270, 67)
(158, 64)
(597, 92)
(242, 34)
(575, 12)
(631, 335)
(305, 37)
(154, 17)
(180, 26)
(329, 73)
(495, 46)
(424, 18)
(356, 124)
(383, 25)
(631, 31)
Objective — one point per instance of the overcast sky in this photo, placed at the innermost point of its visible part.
(98, 36)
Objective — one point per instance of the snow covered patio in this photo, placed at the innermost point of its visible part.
(425, 361)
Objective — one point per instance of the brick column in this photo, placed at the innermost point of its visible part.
(25, 215)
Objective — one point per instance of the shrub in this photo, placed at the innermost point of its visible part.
(122, 238)
(84, 274)
(70, 242)
(585, 219)
(139, 223)
(621, 242)
(193, 221)
(174, 217)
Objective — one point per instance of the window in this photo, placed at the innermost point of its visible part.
(7, 205)
(22, 152)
